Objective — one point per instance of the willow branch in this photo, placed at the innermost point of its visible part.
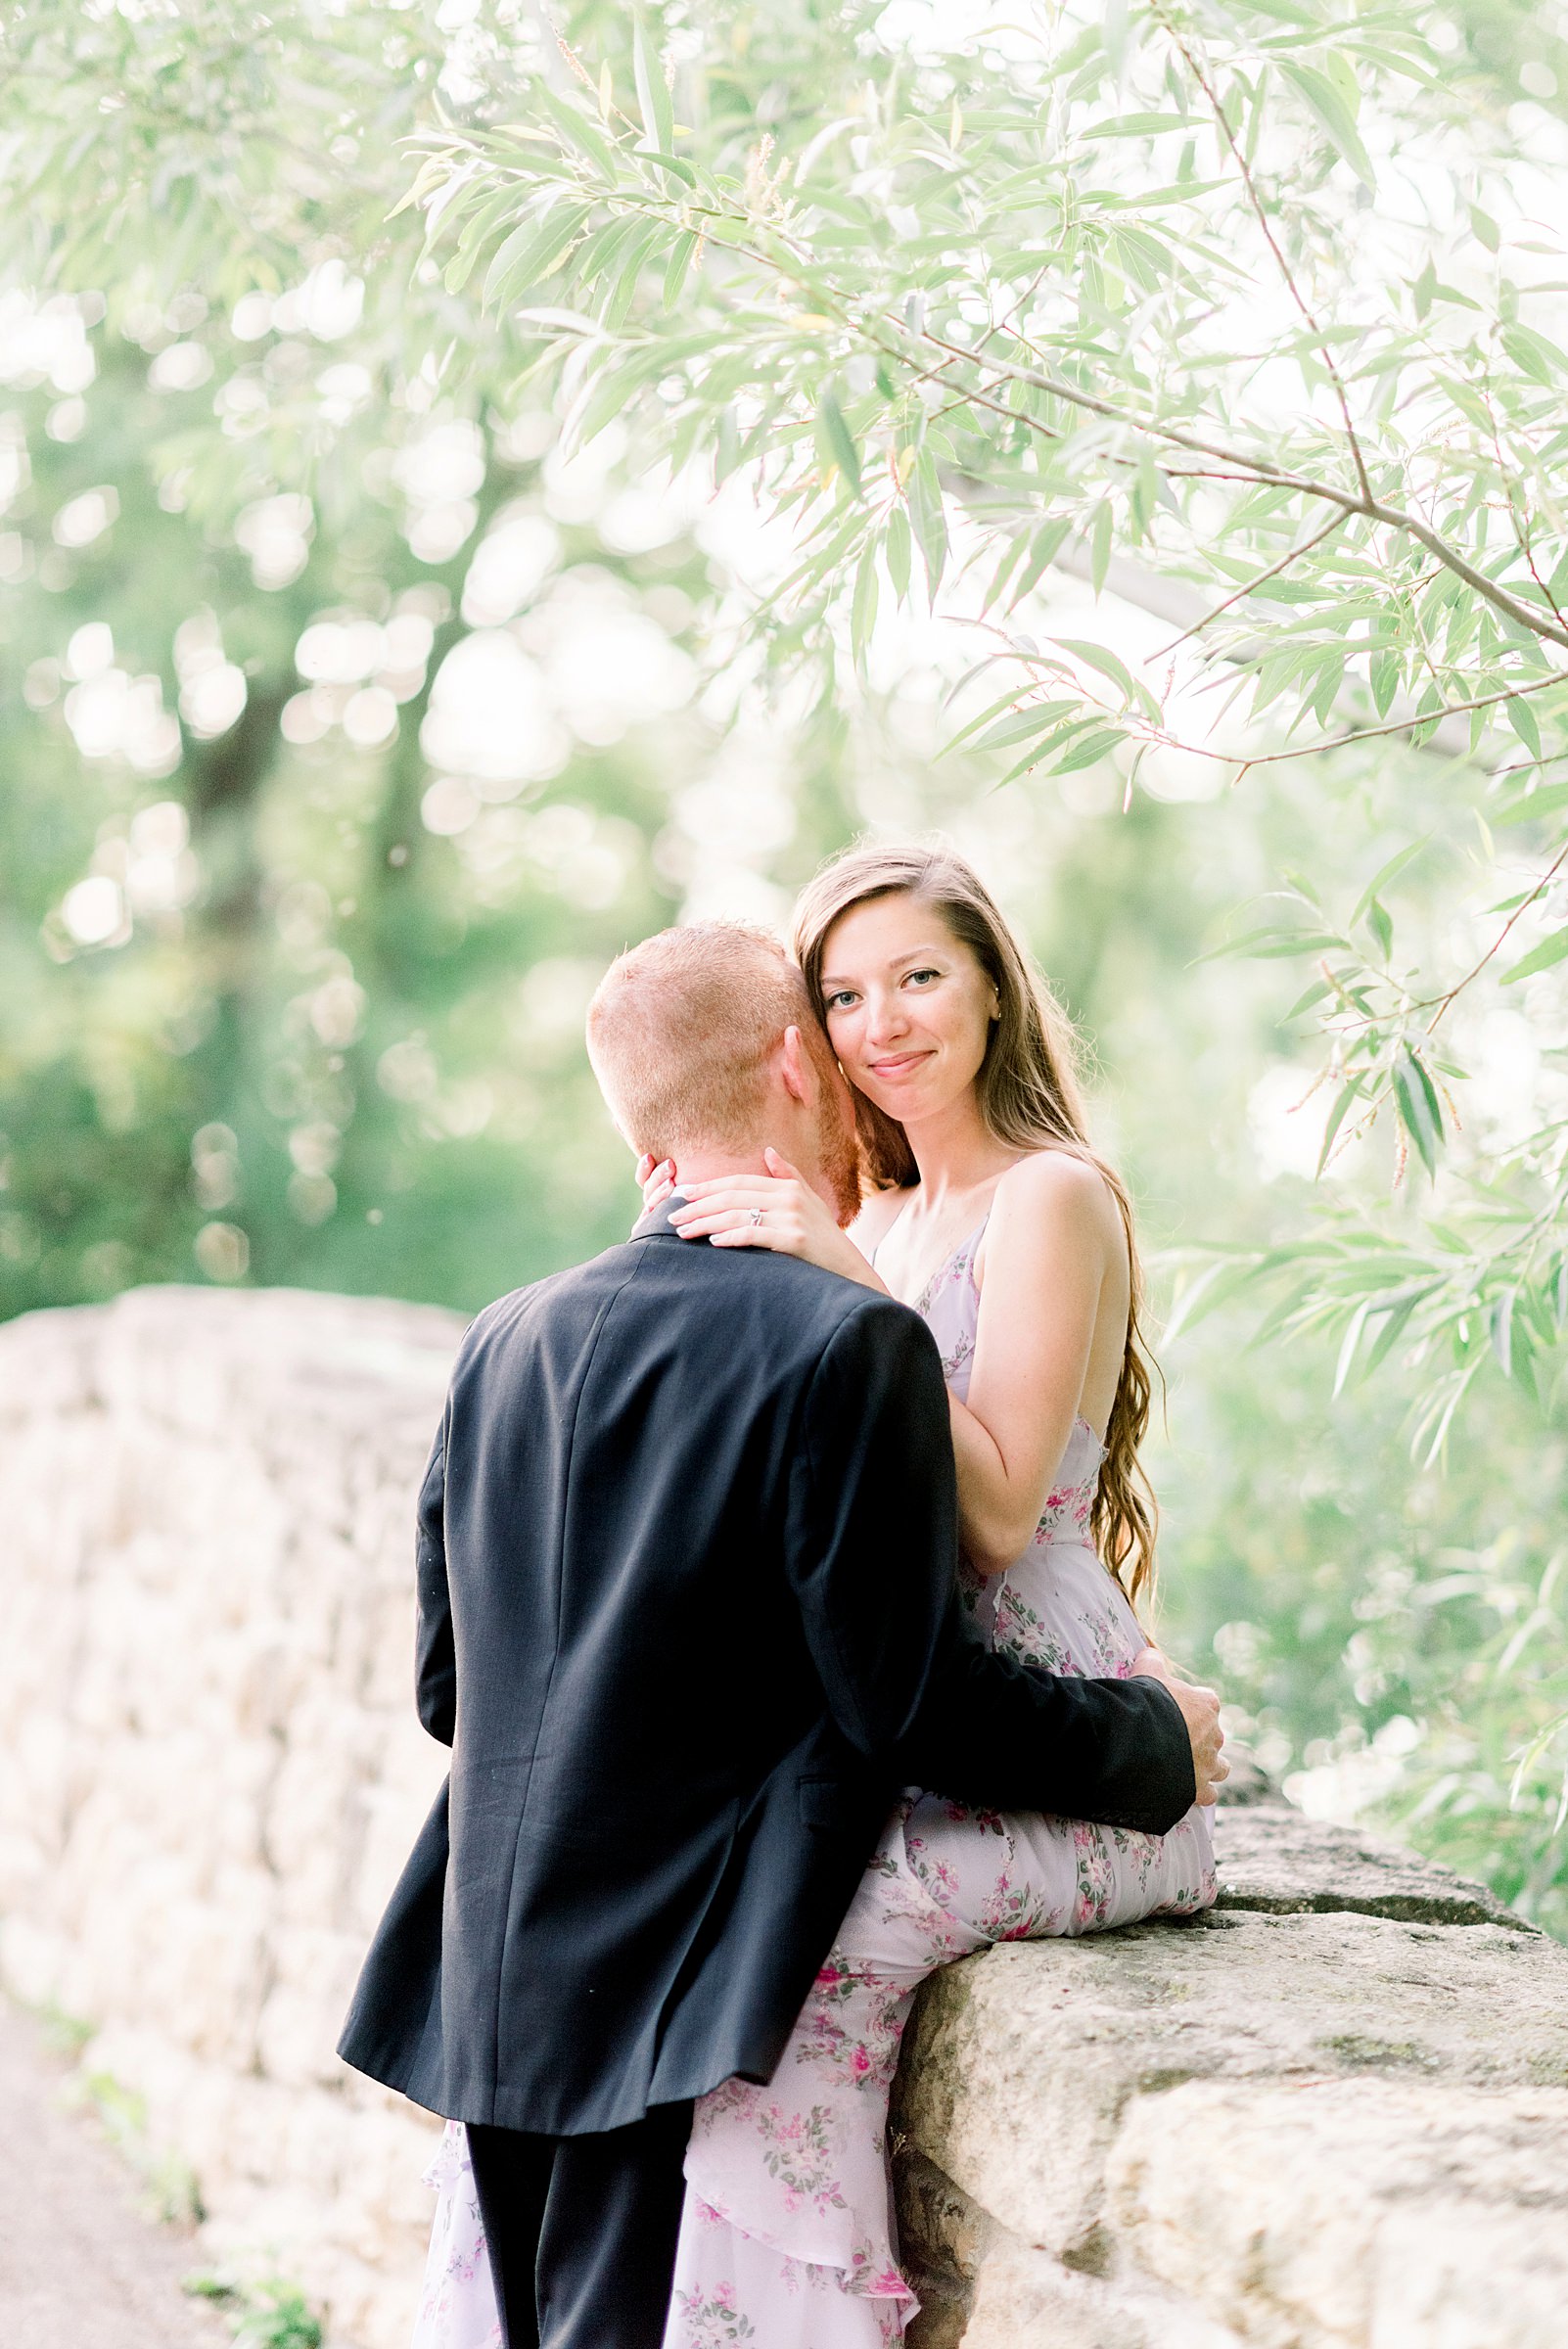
(1250, 586)
(1536, 895)
(1393, 725)
(1254, 202)
(1247, 466)
(1256, 469)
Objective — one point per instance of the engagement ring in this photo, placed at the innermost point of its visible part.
(757, 1214)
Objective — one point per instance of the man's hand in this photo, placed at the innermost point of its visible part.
(1200, 1710)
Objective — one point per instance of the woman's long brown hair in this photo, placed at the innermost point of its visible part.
(1031, 1098)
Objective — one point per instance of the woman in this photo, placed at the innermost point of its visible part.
(990, 1216)
(994, 1217)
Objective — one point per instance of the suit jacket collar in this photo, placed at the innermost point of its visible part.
(655, 1225)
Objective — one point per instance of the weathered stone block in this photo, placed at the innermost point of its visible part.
(1369, 2210)
(1278, 2123)
(1271, 1858)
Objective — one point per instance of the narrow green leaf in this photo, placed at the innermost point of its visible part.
(1215, 1285)
(1541, 361)
(1012, 556)
(863, 610)
(1098, 657)
(1522, 718)
(836, 439)
(1385, 668)
(1038, 752)
(617, 304)
(1092, 747)
(666, 163)
(1347, 1345)
(1023, 725)
(1348, 1092)
(1135, 126)
(1541, 959)
(532, 252)
(1382, 929)
(1415, 1098)
(1387, 874)
(1100, 545)
(1306, 1001)
(1044, 547)
(1329, 106)
(653, 94)
(570, 121)
(1394, 1324)
(480, 223)
(1272, 942)
(1048, 714)
(1533, 806)
(897, 548)
(929, 519)
(678, 266)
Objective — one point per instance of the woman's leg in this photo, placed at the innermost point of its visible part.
(788, 2229)
(1058, 1877)
(788, 2226)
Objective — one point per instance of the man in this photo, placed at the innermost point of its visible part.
(687, 1618)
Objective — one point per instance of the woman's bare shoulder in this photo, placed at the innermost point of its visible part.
(1054, 1181)
(1059, 1187)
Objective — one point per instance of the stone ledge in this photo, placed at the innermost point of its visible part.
(1270, 1857)
(1271, 2125)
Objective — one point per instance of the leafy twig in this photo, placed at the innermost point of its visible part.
(1538, 892)
(1250, 586)
(1254, 202)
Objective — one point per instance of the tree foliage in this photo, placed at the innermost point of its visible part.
(263, 998)
(1240, 309)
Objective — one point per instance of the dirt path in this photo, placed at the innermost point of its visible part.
(80, 2266)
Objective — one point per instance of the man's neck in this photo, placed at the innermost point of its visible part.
(702, 1165)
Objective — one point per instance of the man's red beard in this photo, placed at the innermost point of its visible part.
(840, 1155)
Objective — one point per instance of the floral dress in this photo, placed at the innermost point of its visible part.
(788, 2239)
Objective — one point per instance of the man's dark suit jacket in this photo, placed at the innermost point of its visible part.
(687, 1618)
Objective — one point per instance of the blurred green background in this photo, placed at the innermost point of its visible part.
(328, 789)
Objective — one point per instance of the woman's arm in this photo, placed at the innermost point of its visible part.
(1049, 1263)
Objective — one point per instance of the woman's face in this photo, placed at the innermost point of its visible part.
(909, 1007)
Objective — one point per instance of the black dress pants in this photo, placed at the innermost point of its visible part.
(582, 2230)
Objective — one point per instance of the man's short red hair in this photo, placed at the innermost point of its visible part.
(682, 1032)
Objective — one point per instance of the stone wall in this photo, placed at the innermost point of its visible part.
(212, 1768)
(1333, 2113)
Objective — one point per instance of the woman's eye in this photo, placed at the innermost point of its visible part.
(918, 978)
(840, 1002)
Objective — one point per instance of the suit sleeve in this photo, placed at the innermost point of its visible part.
(434, 1656)
(873, 1552)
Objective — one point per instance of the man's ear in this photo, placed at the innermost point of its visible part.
(795, 1066)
